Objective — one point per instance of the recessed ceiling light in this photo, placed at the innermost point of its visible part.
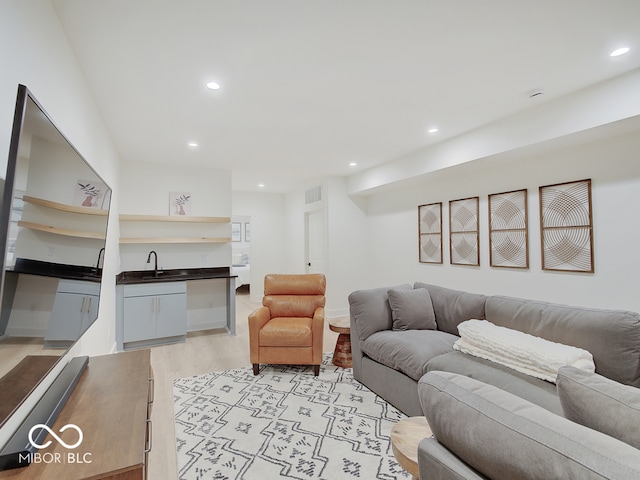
(353, 164)
(261, 185)
(619, 51)
(432, 130)
(213, 86)
(193, 144)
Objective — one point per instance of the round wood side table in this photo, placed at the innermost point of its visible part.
(405, 437)
(342, 352)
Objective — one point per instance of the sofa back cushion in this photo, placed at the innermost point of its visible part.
(452, 307)
(504, 436)
(600, 403)
(612, 336)
(370, 310)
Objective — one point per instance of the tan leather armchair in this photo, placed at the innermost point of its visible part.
(289, 327)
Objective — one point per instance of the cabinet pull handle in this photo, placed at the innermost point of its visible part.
(88, 304)
(149, 441)
(82, 306)
(152, 390)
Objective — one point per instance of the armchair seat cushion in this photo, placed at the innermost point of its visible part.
(287, 332)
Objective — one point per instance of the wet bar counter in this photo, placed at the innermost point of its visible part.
(152, 305)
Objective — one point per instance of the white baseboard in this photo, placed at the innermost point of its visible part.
(198, 326)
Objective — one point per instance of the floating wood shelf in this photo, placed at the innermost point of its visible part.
(61, 231)
(175, 240)
(170, 218)
(64, 207)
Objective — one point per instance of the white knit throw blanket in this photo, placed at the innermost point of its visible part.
(520, 351)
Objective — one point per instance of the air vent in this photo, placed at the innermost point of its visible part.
(313, 195)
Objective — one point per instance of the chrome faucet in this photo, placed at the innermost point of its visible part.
(155, 268)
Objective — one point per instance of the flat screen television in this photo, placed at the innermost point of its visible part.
(53, 224)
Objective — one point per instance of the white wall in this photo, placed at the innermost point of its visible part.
(591, 108)
(348, 238)
(34, 51)
(269, 238)
(612, 165)
(145, 190)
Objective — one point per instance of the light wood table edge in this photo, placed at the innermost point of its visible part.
(405, 435)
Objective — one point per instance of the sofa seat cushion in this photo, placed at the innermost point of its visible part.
(286, 332)
(503, 436)
(408, 351)
(533, 389)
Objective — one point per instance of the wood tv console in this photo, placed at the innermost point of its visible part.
(111, 405)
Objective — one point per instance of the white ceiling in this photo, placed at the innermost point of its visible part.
(311, 85)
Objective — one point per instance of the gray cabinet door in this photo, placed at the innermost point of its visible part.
(66, 317)
(139, 318)
(91, 312)
(74, 309)
(152, 312)
(171, 311)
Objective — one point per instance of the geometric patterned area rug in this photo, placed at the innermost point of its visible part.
(283, 423)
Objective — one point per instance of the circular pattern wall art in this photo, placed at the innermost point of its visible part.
(464, 233)
(508, 232)
(430, 233)
(566, 227)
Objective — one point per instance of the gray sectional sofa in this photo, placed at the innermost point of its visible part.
(402, 341)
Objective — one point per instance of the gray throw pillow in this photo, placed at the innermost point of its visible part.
(370, 311)
(600, 403)
(412, 309)
(504, 436)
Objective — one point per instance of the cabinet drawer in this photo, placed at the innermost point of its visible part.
(78, 286)
(160, 288)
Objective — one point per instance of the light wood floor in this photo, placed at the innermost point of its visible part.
(14, 349)
(203, 352)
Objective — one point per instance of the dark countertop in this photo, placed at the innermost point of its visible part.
(173, 275)
(57, 270)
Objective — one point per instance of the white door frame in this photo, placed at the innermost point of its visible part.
(315, 248)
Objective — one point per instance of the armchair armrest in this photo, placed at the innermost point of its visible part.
(257, 319)
(317, 328)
